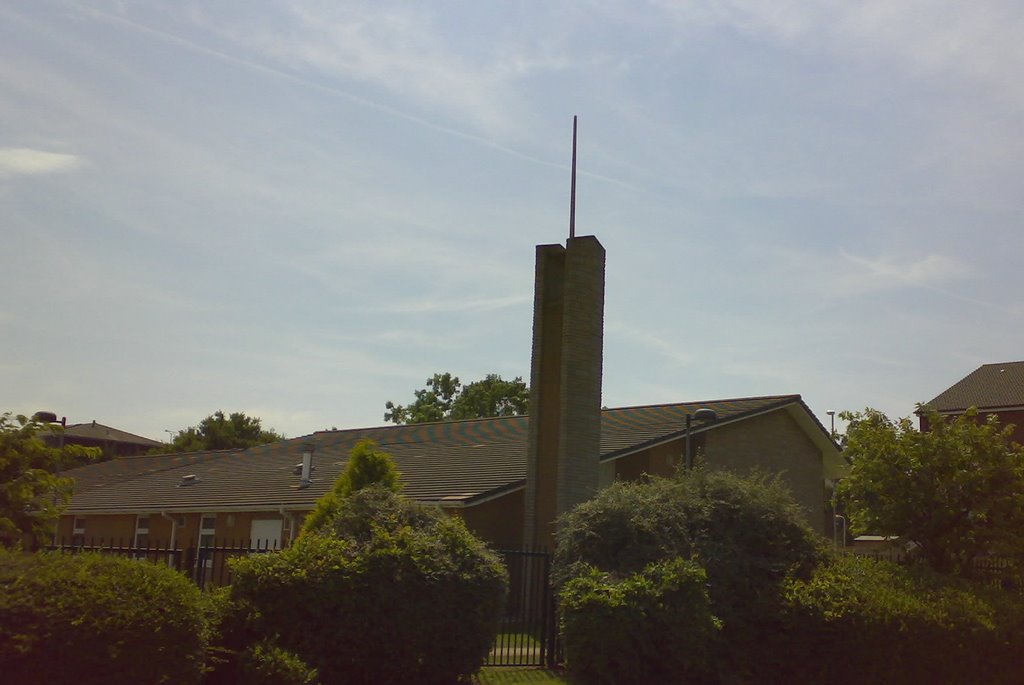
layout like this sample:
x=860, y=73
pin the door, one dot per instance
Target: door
x=265, y=534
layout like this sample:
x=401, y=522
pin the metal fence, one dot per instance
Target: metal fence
x=1001, y=572
x=206, y=565
x=527, y=634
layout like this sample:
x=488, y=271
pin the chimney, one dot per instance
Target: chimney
x=563, y=457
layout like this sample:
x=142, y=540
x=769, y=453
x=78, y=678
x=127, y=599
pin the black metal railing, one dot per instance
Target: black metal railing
x=527, y=634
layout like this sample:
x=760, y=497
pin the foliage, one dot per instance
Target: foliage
x=32, y=494
x=874, y=621
x=956, y=491
x=383, y=592
x=265, y=664
x=746, y=533
x=366, y=466
x=655, y=626
x=90, y=618
x=220, y=432
x=446, y=399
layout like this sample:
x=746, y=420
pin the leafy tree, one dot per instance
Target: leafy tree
x=219, y=432
x=446, y=399
x=32, y=493
x=956, y=491
x=366, y=466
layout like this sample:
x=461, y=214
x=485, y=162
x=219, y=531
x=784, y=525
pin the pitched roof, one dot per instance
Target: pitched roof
x=99, y=432
x=455, y=462
x=989, y=386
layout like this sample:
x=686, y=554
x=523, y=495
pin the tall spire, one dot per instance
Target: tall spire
x=572, y=190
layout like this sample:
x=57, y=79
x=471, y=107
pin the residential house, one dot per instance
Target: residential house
x=991, y=388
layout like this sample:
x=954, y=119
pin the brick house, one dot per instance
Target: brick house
x=991, y=388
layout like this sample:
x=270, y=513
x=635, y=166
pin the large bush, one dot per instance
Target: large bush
x=654, y=626
x=384, y=592
x=860, y=620
x=747, y=534
x=88, y=618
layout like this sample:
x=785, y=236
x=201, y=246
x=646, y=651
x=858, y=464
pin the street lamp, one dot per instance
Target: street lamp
x=702, y=414
x=832, y=415
x=50, y=418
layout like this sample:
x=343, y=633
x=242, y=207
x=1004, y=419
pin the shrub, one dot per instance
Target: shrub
x=746, y=532
x=89, y=618
x=265, y=664
x=386, y=592
x=861, y=620
x=654, y=626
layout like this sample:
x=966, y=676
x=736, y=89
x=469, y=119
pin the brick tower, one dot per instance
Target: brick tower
x=565, y=384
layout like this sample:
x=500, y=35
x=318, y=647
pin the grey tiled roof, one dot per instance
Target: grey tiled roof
x=457, y=461
x=988, y=386
x=97, y=431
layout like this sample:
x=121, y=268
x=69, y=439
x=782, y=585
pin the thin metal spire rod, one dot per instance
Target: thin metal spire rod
x=572, y=191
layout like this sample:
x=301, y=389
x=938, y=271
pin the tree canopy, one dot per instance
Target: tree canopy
x=956, y=490
x=445, y=399
x=220, y=432
x=32, y=493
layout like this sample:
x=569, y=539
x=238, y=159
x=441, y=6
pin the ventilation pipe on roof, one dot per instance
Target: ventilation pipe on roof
x=307, y=464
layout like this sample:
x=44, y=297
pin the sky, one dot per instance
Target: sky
x=301, y=210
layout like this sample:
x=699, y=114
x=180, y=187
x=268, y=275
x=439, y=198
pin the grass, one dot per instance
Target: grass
x=518, y=675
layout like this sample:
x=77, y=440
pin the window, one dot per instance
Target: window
x=78, y=532
x=142, y=531
x=207, y=530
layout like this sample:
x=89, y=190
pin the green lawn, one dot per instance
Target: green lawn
x=516, y=675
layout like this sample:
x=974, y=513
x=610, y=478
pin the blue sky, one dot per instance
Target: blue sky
x=303, y=209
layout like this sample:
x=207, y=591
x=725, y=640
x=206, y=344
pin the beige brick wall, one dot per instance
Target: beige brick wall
x=774, y=443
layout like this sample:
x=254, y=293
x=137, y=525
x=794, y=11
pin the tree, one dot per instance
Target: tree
x=956, y=491
x=219, y=432
x=366, y=466
x=32, y=493
x=446, y=399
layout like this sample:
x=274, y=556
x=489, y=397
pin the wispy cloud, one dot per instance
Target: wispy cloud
x=23, y=161
x=979, y=40
x=888, y=270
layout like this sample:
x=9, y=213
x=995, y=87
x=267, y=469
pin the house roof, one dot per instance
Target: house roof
x=453, y=463
x=101, y=433
x=990, y=386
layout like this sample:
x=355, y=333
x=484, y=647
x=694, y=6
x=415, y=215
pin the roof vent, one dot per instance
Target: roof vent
x=188, y=480
x=297, y=470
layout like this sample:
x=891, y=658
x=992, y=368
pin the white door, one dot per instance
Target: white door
x=265, y=534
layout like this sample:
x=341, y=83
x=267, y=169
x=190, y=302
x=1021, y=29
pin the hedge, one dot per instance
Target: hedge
x=388, y=592
x=654, y=626
x=862, y=620
x=89, y=618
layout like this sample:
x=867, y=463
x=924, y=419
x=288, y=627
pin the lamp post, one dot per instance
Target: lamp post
x=50, y=418
x=832, y=415
x=702, y=414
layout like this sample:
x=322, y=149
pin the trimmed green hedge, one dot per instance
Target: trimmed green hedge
x=746, y=533
x=387, y=592
x=862, y=620
x=89, y=618
x=654, y=626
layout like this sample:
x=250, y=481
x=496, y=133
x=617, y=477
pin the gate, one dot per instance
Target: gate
x=527, y=635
